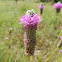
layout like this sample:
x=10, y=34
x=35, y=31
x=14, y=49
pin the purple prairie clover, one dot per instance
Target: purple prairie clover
x=7, y=38
x=60, y=37
x=10, y=28
x=30, y=21
x=41, y=8
x=58, y=6
x=61, y=27
x=30, y=41
x=60, y=51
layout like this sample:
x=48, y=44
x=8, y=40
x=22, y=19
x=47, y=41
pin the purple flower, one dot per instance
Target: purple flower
x=60, y=51
x=61, y=27
x=30, y=22
x=7, y=38
x=58, y=5
x=41, y=7
x=61, y=37
x=10, y=28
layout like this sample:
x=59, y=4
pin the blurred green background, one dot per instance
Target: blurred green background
x=35, y=0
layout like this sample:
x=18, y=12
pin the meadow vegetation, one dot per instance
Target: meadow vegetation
x=48, y=32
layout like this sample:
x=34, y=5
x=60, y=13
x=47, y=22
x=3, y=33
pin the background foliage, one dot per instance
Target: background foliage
x=13, y=50
x=57, y=0
x=35, y=0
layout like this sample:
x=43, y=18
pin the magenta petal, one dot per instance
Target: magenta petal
x=61, y=37
x=41, y=7
x=61, y=51
x=58, y=5
x=7, y=38
x=61, y=27
x=30, y=22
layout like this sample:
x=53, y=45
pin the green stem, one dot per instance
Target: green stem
x=51, y=54
x=28, y=58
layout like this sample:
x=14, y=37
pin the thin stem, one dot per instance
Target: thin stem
x=51, y=54
x=28, y=58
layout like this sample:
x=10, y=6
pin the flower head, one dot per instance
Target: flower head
x=58, y=5
x=60, y=51
x=41, y=6
x=61, y=27
x=30, y=22
x=7, y=38
x=61, y=37
x=10, y=28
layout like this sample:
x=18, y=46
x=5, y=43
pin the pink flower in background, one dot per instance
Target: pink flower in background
x=30, y=22
x=61, y=27
x=7, y=38
x=41, y=7
x=61, y=37
x=58, y=5
x=60, y=51
x=10, y=28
